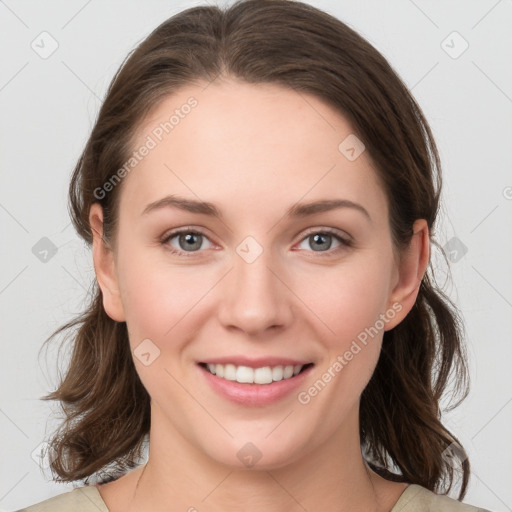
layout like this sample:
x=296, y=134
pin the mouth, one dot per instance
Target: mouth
x=255, y=383
x=262, y=375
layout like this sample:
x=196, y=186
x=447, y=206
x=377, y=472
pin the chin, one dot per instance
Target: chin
x=255, y=452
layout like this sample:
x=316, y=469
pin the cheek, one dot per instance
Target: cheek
x=350, y=302
x=156, y=302
x=161, y=306
x=351, y=306
x=348, y=299
x=152, y=302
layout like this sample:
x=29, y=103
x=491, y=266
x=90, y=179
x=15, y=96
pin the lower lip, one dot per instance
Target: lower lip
x=256, y=395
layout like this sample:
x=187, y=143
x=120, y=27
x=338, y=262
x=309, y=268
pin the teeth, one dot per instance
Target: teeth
x=247, y=375
x=263, y=375
x=287, y=372
x=230, y=372
x=244, y=374
x=277, y=373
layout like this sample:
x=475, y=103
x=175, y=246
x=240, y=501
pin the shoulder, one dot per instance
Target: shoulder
x=81, y=499
x=416, y=498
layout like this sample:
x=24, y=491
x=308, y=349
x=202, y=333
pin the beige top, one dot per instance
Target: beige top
x=415, y=498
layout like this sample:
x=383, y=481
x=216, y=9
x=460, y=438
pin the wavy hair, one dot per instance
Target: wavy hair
x=290, y=43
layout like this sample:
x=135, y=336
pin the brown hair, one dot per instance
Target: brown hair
x=289, y=43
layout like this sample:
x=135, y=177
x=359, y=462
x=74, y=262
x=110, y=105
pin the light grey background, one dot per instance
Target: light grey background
x=48, y=106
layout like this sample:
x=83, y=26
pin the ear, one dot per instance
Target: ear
x=411, y=269
x=104, y=266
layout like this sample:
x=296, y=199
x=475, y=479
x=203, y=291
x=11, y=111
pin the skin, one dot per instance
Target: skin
x=253, y=151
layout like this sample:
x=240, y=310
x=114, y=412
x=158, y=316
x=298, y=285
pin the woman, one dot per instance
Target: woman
x=260, y=191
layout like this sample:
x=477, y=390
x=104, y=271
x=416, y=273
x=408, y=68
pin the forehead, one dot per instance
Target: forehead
x=257, y=143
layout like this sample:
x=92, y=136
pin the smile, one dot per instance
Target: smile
x=248, y=375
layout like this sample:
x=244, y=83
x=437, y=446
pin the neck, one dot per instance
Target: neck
x=329, y=477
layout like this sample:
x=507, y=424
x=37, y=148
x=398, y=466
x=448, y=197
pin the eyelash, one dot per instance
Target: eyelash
x=345, y=242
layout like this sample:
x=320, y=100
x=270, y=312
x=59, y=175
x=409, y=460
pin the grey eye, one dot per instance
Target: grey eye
x=320, y=241
x=188, y=241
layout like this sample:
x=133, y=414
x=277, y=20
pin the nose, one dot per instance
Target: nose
x=255, y=298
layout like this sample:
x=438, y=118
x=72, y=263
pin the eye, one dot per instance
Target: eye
x=322, y=240
x=185, y=241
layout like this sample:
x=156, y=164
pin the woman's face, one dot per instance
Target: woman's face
x=295, y=268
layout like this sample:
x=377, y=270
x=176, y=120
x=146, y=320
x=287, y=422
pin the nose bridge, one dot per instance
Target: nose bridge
x=255, y=298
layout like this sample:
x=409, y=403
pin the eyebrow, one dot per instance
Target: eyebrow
x=297, y=210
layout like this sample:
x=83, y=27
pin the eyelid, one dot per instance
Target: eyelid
x=344, y=236
x=171, y=233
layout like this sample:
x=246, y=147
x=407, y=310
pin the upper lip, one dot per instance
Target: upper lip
x=259, y=362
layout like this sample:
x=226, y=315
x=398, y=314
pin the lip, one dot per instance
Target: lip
x=254, y=395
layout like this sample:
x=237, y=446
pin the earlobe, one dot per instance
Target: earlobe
x=104, y=267
x=412, y=267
